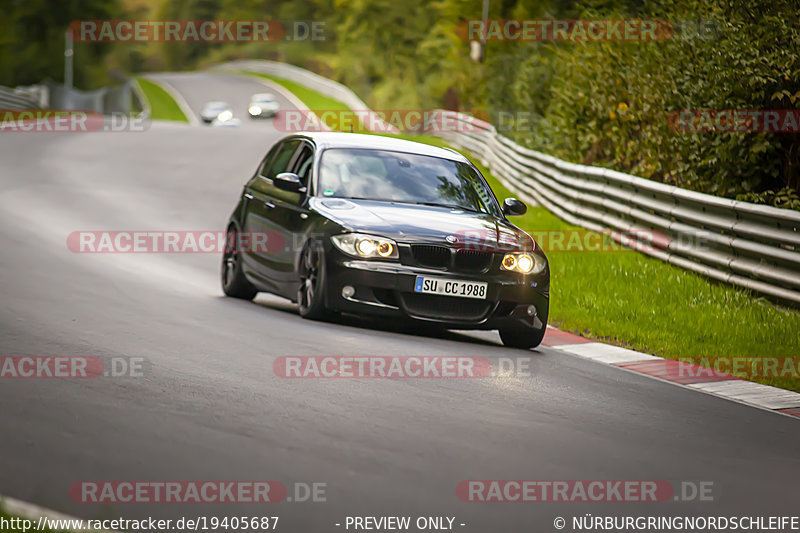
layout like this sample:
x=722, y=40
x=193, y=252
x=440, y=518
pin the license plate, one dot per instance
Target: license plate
x=451, y=287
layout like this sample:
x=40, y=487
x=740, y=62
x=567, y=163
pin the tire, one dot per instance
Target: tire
x=521, y=336
x=234, y=284
x=313, y=283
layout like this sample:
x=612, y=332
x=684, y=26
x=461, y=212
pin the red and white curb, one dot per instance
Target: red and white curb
x=678, y=372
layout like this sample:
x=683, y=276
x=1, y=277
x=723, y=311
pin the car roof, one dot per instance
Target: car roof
x=263, y=96
x=336, y=139
x=217, y=103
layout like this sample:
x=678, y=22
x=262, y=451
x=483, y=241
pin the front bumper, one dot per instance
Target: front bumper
x=265, y=113
x=386, y=289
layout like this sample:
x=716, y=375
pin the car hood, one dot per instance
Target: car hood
x=408, y=223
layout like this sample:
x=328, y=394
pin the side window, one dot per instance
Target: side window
x=304, y=163
x=280, y=162
x=267, y=158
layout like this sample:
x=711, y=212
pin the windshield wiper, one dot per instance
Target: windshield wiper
x=431, y=204
x=450, y=206
x=355, y=198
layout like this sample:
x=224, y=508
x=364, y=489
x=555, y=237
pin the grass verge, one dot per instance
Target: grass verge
x=626, y=298
x=162, y=105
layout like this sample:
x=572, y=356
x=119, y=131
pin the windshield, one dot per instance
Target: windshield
x=405, y=178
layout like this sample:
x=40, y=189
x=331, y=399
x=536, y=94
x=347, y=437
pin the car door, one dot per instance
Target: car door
x=291, y=215
x=292, y=212
x=261, y=221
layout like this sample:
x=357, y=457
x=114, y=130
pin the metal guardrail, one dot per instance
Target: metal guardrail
x=753, y=246
x=106, y=100
x=17, y=100
x=51, y=95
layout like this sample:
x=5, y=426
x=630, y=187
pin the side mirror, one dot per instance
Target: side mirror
x=512, y=206
x=288, y=181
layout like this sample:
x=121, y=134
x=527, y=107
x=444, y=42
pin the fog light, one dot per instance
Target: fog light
x=531, y=310
x=348, y=291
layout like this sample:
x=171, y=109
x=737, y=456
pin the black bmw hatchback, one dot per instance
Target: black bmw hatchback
x=371, y=225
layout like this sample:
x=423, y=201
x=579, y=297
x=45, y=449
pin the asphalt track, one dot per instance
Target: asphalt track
x=209, y=406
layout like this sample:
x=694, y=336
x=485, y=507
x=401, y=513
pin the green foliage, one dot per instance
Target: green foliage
x=785, y=198
x=32, y=37
x=178, y=55
x=609, y=103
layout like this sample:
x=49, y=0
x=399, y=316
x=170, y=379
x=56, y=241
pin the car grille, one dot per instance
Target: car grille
x=472, y=261
x=431, y=256
x=445, y=307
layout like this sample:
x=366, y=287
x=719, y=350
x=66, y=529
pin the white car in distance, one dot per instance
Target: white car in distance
x=216, y=111
x=263, y=105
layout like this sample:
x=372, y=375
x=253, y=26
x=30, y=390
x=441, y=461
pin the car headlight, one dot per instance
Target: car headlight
x=366, y=246
x=225, y=115
x=254, y=110
x=523, y=262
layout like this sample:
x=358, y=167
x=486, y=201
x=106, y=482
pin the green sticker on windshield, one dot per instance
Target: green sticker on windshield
x=328, y=192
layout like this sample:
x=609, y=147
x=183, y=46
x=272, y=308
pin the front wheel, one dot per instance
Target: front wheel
x=311, y=292
x=520, y=335
x=234, y=284
x=523, y=337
